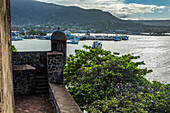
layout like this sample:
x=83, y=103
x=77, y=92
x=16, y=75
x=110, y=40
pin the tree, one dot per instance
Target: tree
x=97, y=78
x=32, y=32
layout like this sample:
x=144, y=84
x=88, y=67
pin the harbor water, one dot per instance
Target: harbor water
x=153, y=50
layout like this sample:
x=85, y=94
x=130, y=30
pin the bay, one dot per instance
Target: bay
x=153, y=50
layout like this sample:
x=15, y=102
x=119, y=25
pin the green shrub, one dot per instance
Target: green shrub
x=14, y=49
x=154, y=101
x=104, y=82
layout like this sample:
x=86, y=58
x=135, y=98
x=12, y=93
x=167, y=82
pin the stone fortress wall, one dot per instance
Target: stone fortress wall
x=42, y=72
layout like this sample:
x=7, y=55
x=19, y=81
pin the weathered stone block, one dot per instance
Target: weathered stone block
x=55, y=67
x=24, y=79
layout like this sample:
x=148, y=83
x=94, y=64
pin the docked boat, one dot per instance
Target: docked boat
x=117, y=38
x=41, y=38
x=29, y=37
x=75, y=39
x=20, y=38
x=16, y=38
x=44, y=38
x=72, y=42
x=47, y=37
x=99, y=37
x=124, y=37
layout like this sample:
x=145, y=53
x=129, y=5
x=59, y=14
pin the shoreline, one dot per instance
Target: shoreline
x=105, y=34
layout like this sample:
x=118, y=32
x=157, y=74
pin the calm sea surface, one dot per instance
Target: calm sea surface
x=154, y=50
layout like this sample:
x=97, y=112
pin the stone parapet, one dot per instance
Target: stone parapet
x=36, y=59
x=62, y=100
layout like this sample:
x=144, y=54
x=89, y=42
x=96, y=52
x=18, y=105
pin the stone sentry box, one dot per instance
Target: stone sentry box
x=58, y=43
x=56, y=59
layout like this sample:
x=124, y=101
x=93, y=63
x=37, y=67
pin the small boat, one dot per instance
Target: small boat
x=72, y=42
x=47, y=37
x=44, y=38
x=117, y=38
x=96, y=44
x=99, y=37
x=75, y=39
x=14, y=39
x=29, y=37
x=20, y=38
x=124, y=37
x=41, y=38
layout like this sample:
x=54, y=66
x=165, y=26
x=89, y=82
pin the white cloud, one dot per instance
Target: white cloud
x=160, y=11
x=143, y=18
x=139, y=8
x=116, y=7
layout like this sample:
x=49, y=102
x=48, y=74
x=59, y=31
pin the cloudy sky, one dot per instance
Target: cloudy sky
x=124, y=9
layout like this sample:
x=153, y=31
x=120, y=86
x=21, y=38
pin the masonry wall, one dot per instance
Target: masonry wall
x=55, y=67
x=25, y=80
x=35, y=59
x=47, y=66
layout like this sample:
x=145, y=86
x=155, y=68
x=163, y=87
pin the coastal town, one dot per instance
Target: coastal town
x=90, y=28
x=77, y=32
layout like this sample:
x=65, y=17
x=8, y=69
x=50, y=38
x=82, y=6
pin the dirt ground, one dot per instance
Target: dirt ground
x=33, y=104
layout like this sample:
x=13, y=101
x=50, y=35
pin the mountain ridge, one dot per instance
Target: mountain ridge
x=154, y=22
x=31, y=11
x=36, y=12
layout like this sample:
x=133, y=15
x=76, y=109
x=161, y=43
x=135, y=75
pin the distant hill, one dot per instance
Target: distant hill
x=30, y=11
x=154, y=22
